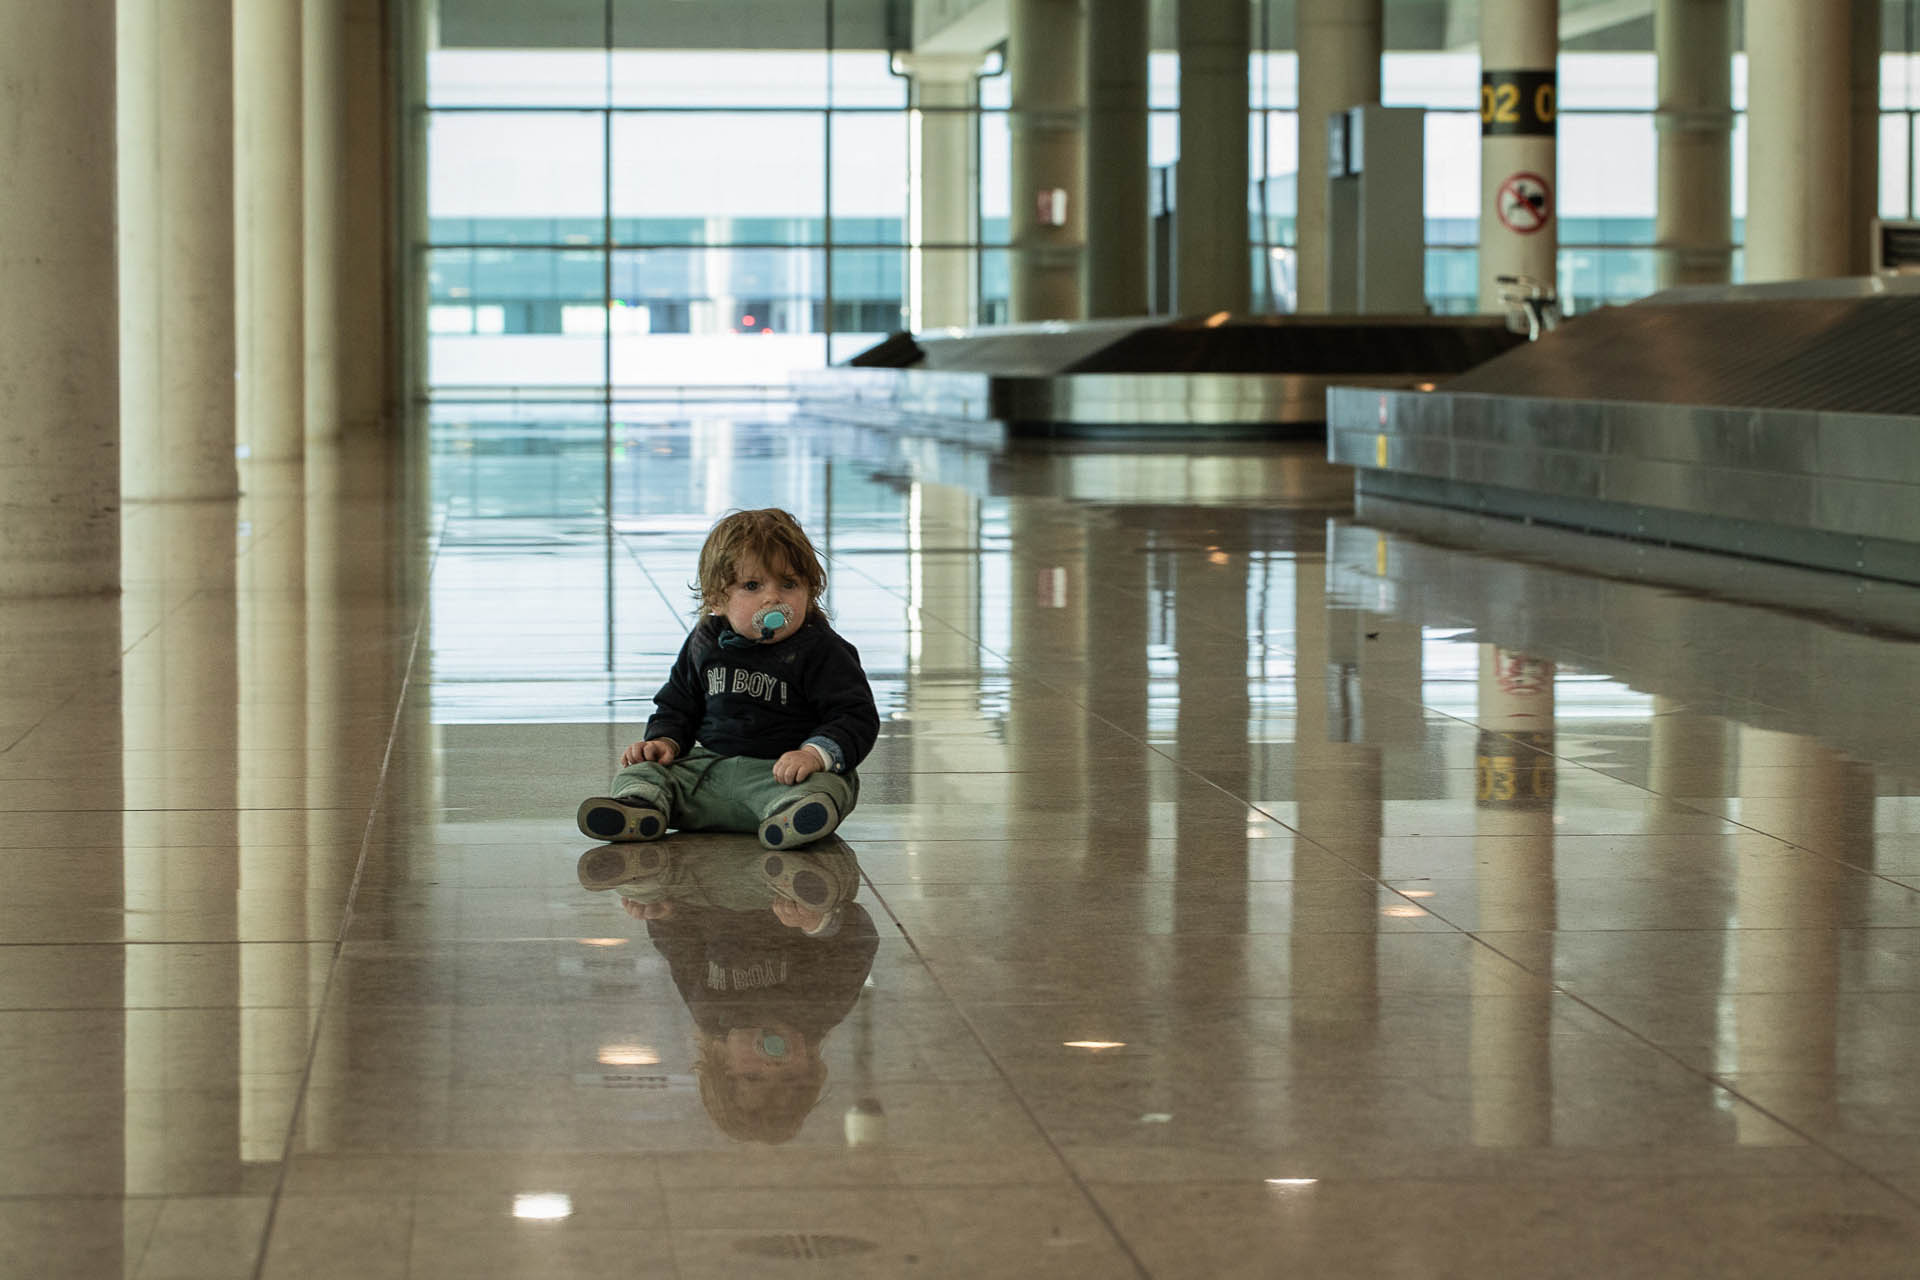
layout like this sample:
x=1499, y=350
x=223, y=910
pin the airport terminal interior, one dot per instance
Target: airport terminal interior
x=1290, y=849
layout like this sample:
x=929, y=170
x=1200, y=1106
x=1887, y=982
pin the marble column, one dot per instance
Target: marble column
x=323, y=153
x=59, y=327
x=1339, y=43
x=1213, y=266
x=1799, y=139
x=1519, y=110
x=367, y=376
x=1047, y=74
x=175, y=127
x=1693, y=221
x=269, y=213
x=1117, y=248
x=943, y=191
x=1863, y=151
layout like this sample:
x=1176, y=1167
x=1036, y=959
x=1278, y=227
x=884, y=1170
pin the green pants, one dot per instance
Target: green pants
x=703, y=791
x=725, y=875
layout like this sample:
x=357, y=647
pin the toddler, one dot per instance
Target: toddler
x=766, y=712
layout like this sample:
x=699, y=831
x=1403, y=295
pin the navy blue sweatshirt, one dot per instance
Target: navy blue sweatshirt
x=742, y=698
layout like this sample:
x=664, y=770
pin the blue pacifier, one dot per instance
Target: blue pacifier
x=769, y=620
x=774, y=1046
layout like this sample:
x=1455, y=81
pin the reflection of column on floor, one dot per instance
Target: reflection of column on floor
x=943, y=189
x=1511, y=1061
x=273, y=853
x=346, y=563
x=943, y=587
x=1787, y=907
x=67, y=644
x=1046, y=733
x=1210, y=641
x=177, y=712
x=1121, y=789
x=1338, y=789
x=1688, y=754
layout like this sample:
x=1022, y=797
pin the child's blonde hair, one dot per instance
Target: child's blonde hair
x=771, y=536
x=772, y=1115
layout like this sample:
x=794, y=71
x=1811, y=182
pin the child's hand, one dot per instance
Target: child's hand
x=659, y=750
x=795, y=765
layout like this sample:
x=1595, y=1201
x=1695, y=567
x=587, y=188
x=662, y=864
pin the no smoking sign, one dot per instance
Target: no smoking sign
x=1524, y=203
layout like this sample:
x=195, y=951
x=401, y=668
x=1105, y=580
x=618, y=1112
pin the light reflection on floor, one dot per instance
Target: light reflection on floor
x=1247, y=891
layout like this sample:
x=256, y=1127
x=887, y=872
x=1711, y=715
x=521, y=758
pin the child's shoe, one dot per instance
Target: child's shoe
x=802, y=821
x=819, y=880
x=607, y=818
x=618, y=864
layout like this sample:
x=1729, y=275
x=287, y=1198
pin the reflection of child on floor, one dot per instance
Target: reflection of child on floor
x=763, y=999
x=766, y=712
x=804, y=888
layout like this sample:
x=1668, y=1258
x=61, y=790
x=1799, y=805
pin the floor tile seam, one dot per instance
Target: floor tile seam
x=1713, y=1078
x=1006, y=1080
x=290, y=1142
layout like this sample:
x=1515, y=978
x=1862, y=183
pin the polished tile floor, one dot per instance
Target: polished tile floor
x=1248, y=890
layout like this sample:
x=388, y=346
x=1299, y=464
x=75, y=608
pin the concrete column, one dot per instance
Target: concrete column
x=418, y=35
x=1046, y=69
x=269, y=227
x=175, y=126
x=1117, y=249
x=322, y=85
x=369, y=395
x=1864, y=152
x=59, y=322
x=1340, y=43
x=1519, y=107
x=1799, y=139
x=943, y=191
x=1212, y=269
x=1693, y=224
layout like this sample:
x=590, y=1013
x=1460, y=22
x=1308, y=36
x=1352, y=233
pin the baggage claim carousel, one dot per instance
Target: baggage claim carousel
x=1777, y=422
x=1218, y=378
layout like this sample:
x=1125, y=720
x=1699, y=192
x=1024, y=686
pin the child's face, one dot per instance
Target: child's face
x=756, y=587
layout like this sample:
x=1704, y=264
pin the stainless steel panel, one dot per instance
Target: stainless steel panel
x=1869, y=447
x=1868, y=508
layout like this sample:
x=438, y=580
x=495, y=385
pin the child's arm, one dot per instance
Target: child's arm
x=849, y=720
x=678, y=708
